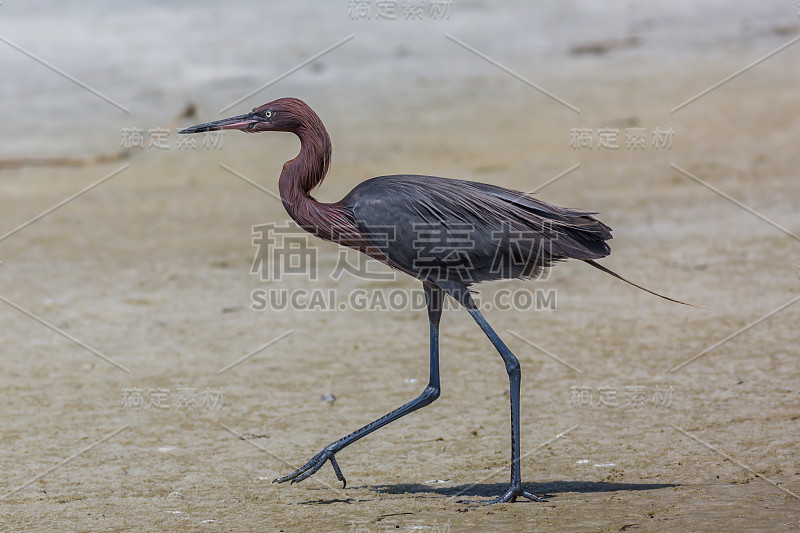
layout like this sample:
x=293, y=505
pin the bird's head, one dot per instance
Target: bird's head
x=283, y=114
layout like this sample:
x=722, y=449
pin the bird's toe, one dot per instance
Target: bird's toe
x=510, y=496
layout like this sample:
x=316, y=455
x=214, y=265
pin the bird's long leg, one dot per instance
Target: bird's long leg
x=434, y=298
x=514, y=377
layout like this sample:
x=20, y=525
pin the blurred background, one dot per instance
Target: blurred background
x=139, y=252
x=152, y=58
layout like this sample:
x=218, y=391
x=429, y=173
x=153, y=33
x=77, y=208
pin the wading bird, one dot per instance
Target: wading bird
x=447, y=233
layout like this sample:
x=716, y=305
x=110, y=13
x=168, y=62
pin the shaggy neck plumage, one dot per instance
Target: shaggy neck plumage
x=305, y=172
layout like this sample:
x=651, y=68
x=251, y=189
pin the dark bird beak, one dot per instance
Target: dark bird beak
x=242, y=122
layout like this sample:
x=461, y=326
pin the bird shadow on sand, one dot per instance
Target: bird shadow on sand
x=544, y=490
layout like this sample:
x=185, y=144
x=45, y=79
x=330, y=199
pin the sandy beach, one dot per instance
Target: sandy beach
x=143, y=389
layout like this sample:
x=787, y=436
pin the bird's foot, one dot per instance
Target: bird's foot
x=510, y=496
x=314, y=464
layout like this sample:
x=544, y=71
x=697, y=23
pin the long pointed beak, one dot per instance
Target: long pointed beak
x=241, y=122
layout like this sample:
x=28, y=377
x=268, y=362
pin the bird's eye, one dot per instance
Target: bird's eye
x=267, y=114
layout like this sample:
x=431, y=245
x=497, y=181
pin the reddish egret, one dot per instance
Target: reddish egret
x=447, y=233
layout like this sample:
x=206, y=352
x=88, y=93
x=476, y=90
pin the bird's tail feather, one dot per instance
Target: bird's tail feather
x=611, y=272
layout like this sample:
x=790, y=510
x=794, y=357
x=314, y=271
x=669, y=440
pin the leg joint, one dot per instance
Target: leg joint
x=512, y=365
x=430, y=393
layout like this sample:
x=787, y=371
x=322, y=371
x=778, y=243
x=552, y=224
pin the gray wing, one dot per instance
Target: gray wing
x=441, y=229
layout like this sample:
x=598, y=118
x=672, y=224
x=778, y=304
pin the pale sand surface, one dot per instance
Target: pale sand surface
x=152, y=269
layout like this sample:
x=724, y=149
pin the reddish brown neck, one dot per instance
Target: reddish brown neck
x=302, y=174
x=306, y=171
